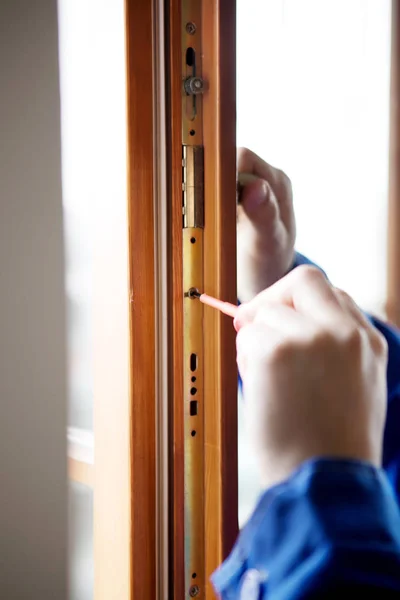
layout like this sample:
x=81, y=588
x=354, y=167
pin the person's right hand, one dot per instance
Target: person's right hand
x=314, y=375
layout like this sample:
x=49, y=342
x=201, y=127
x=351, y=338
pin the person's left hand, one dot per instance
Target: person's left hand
x=266, y=228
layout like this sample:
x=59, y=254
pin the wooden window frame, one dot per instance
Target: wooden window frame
x=136, y=464
x=138, y=471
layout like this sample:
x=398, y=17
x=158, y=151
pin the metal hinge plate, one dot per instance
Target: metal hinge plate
x=193, y=186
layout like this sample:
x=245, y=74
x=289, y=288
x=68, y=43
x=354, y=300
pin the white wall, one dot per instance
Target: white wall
x=32, y=338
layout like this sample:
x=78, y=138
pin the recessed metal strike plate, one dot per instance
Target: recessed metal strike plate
x=193, y=186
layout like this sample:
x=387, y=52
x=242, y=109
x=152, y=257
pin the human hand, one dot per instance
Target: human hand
x=314, y=375
x=266, y=228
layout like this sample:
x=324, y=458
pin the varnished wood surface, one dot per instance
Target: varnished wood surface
x=220, y=375
x=139, y=31
x=219, y=131
x=176, y=299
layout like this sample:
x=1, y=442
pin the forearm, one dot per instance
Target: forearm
x=332, y=525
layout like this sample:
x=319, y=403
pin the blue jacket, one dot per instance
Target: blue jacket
x=333, y=526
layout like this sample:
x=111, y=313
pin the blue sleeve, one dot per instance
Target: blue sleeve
x=391, y=438
x=391, y=441
x=333, y=526
x=300, y=259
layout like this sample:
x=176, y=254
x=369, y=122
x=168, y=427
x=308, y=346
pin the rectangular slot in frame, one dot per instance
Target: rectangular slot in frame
x=193, y=362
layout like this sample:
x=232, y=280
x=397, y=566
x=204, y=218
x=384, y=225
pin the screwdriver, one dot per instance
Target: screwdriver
x=225, y=307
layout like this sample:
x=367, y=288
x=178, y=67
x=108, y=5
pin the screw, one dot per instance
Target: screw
x=193, y=293
x=194, y=85
x=194, y=591
x=190, y=28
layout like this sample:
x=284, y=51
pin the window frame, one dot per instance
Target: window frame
x=137, y=470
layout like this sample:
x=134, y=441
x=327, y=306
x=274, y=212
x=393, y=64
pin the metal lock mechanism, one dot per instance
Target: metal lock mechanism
x=194, y=86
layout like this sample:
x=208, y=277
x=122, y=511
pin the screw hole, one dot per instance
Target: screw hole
x=194, y=575
x=193, y=433
x=190, y=57
x=190, y=28
x=193, y=378
x=193, y=240
x=193, y=364
x=193, y=391
x=192, y=132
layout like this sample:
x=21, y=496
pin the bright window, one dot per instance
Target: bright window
x=313, y=100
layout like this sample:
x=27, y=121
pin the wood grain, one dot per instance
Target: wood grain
x=175, y=258
x=393, y=287
x=219, y=132
x=139, y=35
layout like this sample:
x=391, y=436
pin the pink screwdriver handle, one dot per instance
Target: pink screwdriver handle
x=226, y=307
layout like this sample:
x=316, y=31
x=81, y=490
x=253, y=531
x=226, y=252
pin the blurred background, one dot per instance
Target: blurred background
x=313, y=99
x=94, y=176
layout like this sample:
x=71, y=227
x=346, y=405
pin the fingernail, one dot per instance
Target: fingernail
x=257, y=196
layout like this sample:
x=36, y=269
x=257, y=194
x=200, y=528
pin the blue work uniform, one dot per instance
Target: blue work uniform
x=333, y=526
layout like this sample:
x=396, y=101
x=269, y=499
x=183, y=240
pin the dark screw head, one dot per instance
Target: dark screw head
x=194, y=85
x=193, y=293
x=193, y=591
x=190, y=28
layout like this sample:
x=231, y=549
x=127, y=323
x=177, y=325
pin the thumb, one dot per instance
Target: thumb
x=259, y=203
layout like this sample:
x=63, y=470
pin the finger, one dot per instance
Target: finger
x=249, y=162
x=304, y=289
x=375, y=336
x=351, y=307
x=254, y=342
x=243, y=180
x=285, y=320
x=259, y=203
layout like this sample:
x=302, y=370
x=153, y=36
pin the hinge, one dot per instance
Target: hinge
x=193, y=186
